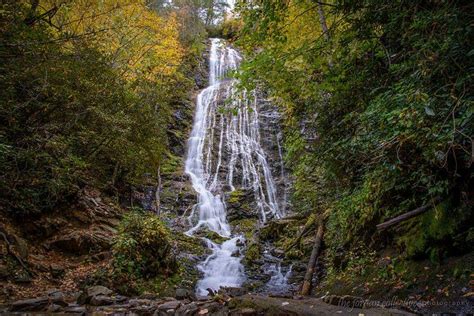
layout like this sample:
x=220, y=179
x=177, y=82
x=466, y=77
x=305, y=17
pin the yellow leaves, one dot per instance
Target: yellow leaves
x=141, y=44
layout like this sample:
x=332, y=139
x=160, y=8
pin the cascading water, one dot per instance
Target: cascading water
x=224, y=151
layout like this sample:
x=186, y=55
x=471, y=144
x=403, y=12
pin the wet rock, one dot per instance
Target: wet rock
x=182, y=294
x=57, y=297
x=171, y=305
x=98, y=290
x=54, y=308
x=75, y=310
x=278, y=252
x=245, y=312
x=211, y=307
x=188, y=309
x=240, y=243
x=30, y=305
x=241, y=204
x=139, y=301
x=232, y=291
x=168, y=308
x=143, y=310
x=101, y=300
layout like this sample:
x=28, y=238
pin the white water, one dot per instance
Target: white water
x=278, y=282
x=226, y=137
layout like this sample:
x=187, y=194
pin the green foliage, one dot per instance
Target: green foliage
x=73, y=113
x=378, y=113
x=143, y=247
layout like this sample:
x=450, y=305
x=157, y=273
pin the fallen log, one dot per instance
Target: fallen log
x=408, y=215
x=306, y=229
x=306, y=288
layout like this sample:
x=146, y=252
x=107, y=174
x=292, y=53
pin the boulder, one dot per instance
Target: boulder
x=54, y=308
x=101, y=300
x=247, y=312
x=232, y=291
x=30, y=305
x=83, y=241
x=98, y=290
x=182, y=294
x=171, y=305
x=57, y=297
x=188, y=309
x=75, y=309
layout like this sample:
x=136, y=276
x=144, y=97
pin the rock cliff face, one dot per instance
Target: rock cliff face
x=235, y=164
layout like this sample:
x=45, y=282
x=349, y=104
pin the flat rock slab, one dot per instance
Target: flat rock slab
x=303, y=307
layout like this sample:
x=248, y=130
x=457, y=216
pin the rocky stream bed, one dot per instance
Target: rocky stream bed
x=99, y=300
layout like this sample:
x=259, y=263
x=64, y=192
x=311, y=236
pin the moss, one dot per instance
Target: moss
x=189, y=244
x=246, y=226
x=172, y=164
x=235, y=196
x=214, y=237
x=384, y=276
x=252, y=253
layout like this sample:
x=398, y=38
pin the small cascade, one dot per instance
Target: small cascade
x=225, y=154
x=278, y=283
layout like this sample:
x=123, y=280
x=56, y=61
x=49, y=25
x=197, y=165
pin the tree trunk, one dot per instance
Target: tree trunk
x=158, y=190
x=306, y=288
x=322, y=20
x=324, y=27
x=407, y=215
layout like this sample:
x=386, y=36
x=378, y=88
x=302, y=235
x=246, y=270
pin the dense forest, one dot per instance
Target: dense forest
x=210, y=157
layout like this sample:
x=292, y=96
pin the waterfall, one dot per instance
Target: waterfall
x=224, y=152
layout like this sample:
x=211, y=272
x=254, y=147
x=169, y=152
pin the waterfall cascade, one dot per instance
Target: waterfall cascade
x=225, y=152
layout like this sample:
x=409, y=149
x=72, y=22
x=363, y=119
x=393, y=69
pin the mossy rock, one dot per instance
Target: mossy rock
x=246, y=226
x=273, y=230
x=253, y=253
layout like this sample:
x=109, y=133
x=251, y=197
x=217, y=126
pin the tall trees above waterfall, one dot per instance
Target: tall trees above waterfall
x=379, y=115
x=87, y=89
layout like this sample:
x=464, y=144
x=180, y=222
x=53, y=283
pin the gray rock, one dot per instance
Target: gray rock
x=57, y=271
x=139, y=301
x=98, y=290
x=247, y=312
x=232, y=291
x=86, y=297
x=169, y=305
x=74, y=309
x=57, y=297
x=30, y=305
x=188, y=309
x=182, y=294
x=54, y=308
x=101, y=300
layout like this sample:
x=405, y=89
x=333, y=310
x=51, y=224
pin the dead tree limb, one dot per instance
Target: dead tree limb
x=408, y=215
x=306, y=229
x=306, y=288
x=11, y=252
